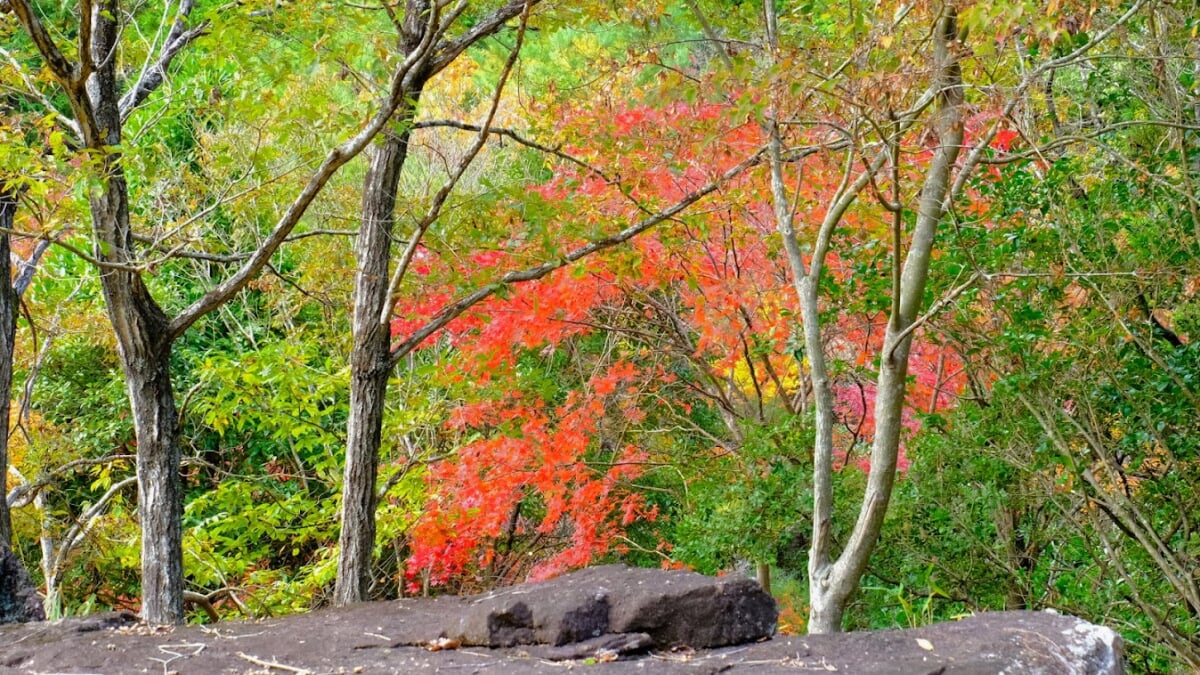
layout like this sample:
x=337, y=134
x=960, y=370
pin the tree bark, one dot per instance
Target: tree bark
x=8, y=331
x=160, y=490
x=832, y=584
x=369, y=364
x=370, y=353
x=372, y=357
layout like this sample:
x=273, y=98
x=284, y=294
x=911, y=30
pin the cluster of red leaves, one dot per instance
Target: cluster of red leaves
x=526, y=448
x=540, y=449
x=731, y=290
x=936, y=379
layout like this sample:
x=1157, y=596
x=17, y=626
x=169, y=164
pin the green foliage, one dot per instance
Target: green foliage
x=1080, y=339
x=263, y=507
x=82, y=393
x=747, y=504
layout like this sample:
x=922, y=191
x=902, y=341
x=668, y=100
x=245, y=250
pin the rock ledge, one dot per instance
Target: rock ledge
x=609, y=620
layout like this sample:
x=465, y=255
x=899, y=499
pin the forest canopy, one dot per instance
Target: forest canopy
x=892, y=304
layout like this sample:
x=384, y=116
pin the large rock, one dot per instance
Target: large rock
x=19, y=601
x=674, y=608
x=1031, y=643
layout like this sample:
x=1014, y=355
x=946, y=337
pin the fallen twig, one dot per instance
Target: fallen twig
x=193, y=598
x=273, y=664
x=196, y=648
x=216, y=632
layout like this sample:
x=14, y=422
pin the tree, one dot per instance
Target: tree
x=424, y=39
x=832, y=580
x=8, y=330
x=151, y=78
x=145, y=333
x=943, y=178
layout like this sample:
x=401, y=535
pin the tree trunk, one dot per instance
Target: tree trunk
x=369, y=364
x=826, y=609
x=371, y=356
x=143, y=339
x=160, y=494
x=144, y=346
x=8, y=330
x=832, y=583
x=52, y=603
x=763, y=574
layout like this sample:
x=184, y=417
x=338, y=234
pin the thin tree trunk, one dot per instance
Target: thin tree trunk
x=833, y=580
x=143, y=339
x=370, y=354
x=763, y=574
x=832, y=584
x=369, y=364
x=10, y=298
x=8, y=330
x=52, y=604
x=372, y=357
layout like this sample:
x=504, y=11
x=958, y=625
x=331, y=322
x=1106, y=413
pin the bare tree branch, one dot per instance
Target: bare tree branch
x=59, y=66
x=153, y=75
x=449, y=50
x=24, y=493
x=83, y=525
x=509, y=133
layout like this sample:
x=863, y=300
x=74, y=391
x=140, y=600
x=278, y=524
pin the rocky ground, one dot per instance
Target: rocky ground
x=602, y=620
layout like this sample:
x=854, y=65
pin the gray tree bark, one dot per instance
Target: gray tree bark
x=8, y=331
x=371, y=357
x=369, y=366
